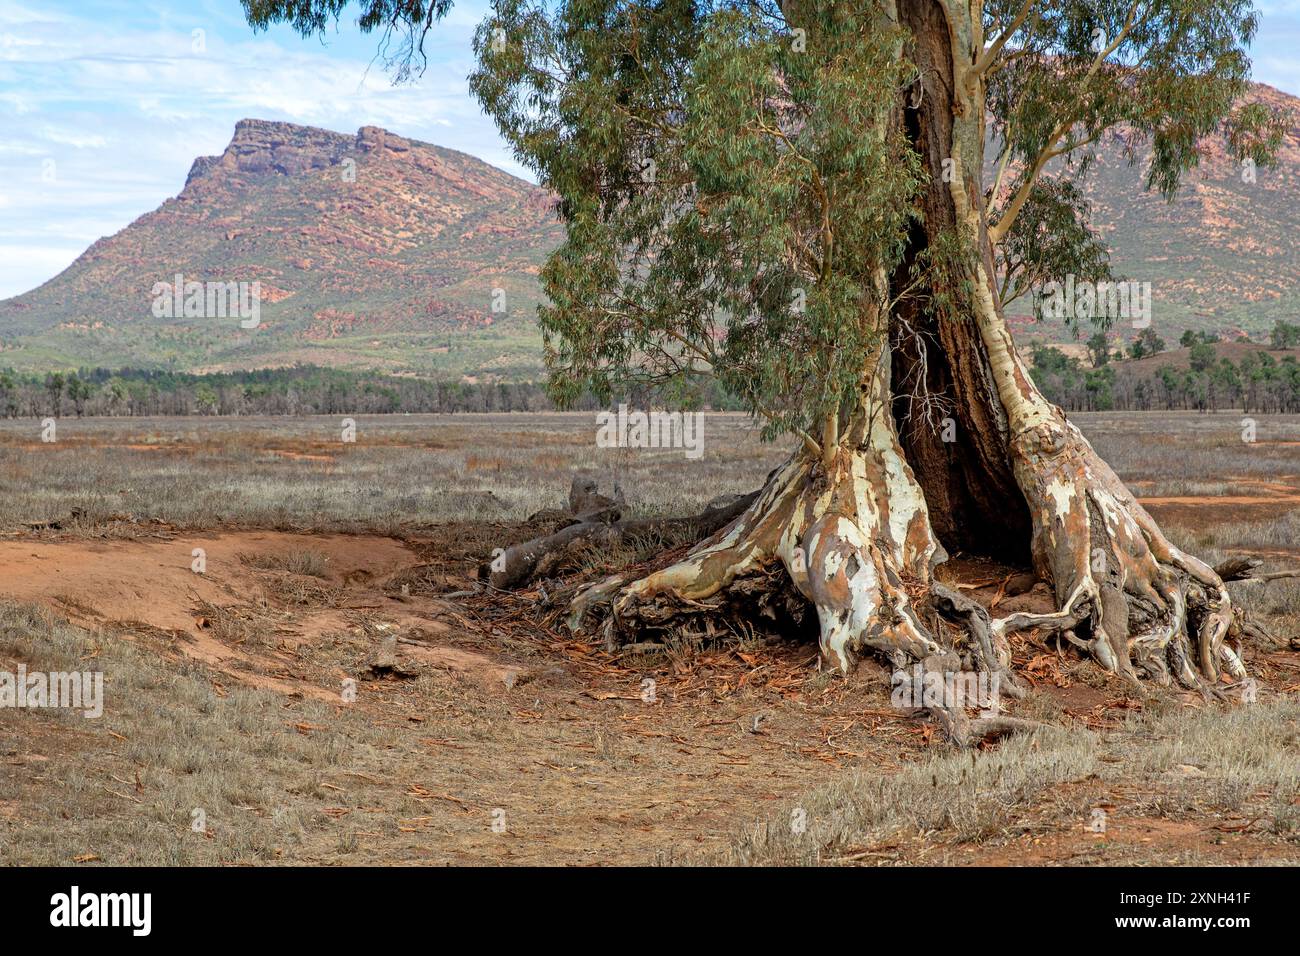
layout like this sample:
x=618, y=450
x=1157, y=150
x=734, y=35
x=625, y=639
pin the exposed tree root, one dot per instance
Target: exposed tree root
x=1247, y=570
x=851, y=532
x=1124, y=592
x=853, y=540
x=1129, y=597
x=848, y=535
x=965, y=731
x=852, y=536
x=858, y=558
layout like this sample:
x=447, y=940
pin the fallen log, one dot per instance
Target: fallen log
x=518, y=564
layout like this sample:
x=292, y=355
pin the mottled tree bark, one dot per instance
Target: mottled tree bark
x=859, y=526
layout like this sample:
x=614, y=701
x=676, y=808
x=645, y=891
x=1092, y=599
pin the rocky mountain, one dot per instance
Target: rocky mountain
x=1222, y=256
x=372, y=250
x=368, y=250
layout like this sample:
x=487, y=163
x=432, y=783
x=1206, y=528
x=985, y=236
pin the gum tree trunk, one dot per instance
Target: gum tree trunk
x=859, y=527
x=963, y=464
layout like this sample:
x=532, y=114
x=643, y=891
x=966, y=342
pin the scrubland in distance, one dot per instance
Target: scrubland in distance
x=413, y=470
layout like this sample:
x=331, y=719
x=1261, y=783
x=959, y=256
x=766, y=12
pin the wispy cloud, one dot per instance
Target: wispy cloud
x=105, y=104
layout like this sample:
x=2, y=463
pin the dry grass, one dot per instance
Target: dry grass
x=237, y=624
x=410, y=772
x=1176, y=763
x=407, y=471
x=1188, y=446
x=403, y=471
x=124, y=788
x=305, y=561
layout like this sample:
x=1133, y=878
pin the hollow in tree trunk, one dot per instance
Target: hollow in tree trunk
x=858, y=525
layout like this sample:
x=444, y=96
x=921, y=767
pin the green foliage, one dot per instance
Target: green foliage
x=1064, y=381
x=54, y=389
x=1258, y=382
x=1147, y=342
x=205, y=398
x=1051, y=239
x=1055, y=373
x=1202, y=356
x=402, y=23
x=296, y=390
x=732, y=198
x=78, y=392
x=1192, y=337
x=1285, y=335
x=1048, y=359
x=1100, y=384
x=1172, y=72
x=1098, y=349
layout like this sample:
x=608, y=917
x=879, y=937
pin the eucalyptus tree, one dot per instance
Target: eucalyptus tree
x=792, y=197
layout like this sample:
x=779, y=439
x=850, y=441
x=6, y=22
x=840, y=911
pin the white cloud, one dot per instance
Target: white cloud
x=124, y=104
x=73, y=138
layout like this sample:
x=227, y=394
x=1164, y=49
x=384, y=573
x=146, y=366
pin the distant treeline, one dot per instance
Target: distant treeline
x=299, y=390
x=1257, y=382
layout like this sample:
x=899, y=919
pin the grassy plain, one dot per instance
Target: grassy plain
x=480, y=730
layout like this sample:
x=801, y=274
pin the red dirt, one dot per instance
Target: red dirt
x=150, y=582
x=606, y=776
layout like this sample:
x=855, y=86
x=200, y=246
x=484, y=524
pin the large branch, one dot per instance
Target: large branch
x=989, y=57
x=1049, y=151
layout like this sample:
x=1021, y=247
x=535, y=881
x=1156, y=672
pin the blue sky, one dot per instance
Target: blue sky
x=104, y=104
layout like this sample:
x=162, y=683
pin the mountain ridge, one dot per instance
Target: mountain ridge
x=365, y=247
x=373, y=250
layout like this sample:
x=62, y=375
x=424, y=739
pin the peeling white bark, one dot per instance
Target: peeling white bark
x=852, y=531
x=1107, y=559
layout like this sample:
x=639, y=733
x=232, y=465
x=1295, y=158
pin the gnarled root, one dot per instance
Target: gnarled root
x=853, y=537
x=1134, y=601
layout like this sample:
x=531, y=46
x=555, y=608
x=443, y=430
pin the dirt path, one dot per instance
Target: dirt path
x=1265, y=499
